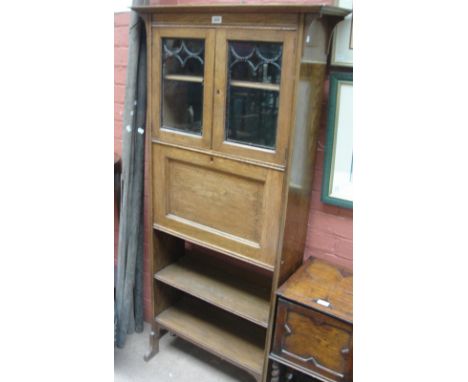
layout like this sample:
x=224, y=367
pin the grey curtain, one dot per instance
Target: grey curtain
x=129, y=279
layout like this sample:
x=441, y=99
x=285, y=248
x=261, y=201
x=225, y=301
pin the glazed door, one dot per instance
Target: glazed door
x=253, y=93
x=182, y=88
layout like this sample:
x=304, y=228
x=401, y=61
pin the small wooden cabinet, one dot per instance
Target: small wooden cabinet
x=314, y=323
x=234, y=101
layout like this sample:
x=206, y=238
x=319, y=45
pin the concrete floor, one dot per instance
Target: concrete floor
x=177, y=360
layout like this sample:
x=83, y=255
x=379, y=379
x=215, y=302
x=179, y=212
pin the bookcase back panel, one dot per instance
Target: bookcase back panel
x=227, y=204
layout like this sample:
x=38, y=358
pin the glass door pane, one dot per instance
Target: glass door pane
x=254, y=76
x=183, y=86
x=254, y=85
x=182, y=79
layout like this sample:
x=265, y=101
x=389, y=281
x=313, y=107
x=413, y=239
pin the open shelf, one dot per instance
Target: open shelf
x=177, y=77
x=230, y=338
x=235, y=255
x=223, y=290
x=255, y=85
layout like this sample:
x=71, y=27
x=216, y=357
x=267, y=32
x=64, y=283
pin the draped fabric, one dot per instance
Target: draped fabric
x=129, y=281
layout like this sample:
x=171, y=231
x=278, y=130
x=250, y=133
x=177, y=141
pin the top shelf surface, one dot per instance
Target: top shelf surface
x=317, y=280
x=244, y=8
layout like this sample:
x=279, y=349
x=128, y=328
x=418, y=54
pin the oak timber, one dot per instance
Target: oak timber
x=261, y=228
x=218, y=288
x=171, y=232
x=313, y=343
x=225, y=203
x=307, y=112
x=224, y=155
x=231, y=338
x=314, y=322
x=315, y=280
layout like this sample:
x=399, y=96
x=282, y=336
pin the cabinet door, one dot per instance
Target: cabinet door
x=223, y=204
x=183, y=85
x=253, y=93
x=319, y=344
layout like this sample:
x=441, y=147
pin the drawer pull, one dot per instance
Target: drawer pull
x=345, y=351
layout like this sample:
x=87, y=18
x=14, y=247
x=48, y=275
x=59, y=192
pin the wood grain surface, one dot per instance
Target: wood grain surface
x=233, y=339
x=246, y=204
x=225, y=203
x=219, y=288
x=318, y=280
x=318, y=345
x=314, y=324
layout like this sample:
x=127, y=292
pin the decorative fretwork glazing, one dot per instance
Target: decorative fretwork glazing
x=183, y=56
x=252, y=102
x=255, y=61
x=183, y=53
x=182, y=84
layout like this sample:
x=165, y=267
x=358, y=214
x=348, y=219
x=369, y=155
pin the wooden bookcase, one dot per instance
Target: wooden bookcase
x=234, y=100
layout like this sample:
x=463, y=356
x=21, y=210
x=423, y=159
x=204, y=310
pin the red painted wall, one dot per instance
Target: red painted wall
x=330, y=228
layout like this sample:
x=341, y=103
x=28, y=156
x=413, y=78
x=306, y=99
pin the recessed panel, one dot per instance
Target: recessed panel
x=321, y=340
x=222, y=204
x=215, y=200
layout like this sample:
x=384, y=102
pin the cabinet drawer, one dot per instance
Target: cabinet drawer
x=315, y=343
x=230, y=206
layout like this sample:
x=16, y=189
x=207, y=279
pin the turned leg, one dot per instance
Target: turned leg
x=155, y=335
x=275, y=372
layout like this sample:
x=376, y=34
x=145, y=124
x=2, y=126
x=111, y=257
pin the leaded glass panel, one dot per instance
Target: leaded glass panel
x=254, y=77
x=182, y=84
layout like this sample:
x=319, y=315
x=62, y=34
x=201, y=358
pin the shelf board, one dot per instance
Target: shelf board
x=207, y=244
x=255, y=85
x=223, y=290
x=177, y=77
x=230, y=338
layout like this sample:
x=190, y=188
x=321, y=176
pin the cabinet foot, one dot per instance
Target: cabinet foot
x=153, y=342
x=275, y=372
